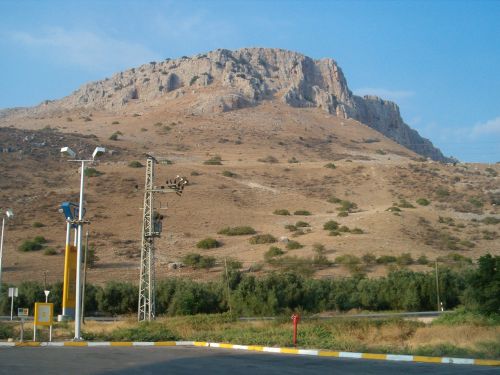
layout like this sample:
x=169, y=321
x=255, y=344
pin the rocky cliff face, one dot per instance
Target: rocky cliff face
x=243, y=78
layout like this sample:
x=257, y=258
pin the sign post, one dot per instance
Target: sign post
x=296, y=320
x=44, y=314
x=22, y=313
x=13, y=292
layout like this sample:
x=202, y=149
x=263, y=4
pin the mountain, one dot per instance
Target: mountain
x=245, y=78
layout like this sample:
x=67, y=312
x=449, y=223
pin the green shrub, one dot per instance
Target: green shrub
x=357, y=231
x=37, y=224
x=273, y=252
x=331, y=225
x=237, y=231
x=115, y=122
x=404, y=259
x=343, y=214
x=145, y=331
x=6, y=331
x=293, y=245
x=301, y=224
x=135, y=164
x=334, y=200
x=381, y=152
x=291, y=227
x=422, y=259
x=369, y=258
x=442, y=192
x=335, y=233
x=403, y=203
x=198, y=261
x=260, y=239
x=208, y=243
x=302, y=212
x=281, y=212
x=214, y=160
x=386, y=259
x=32, y=245
x=330, y=166
x=113, y=137
x=92, y=172
x=50, y=251
x=490, y=220
x=478, y=203
x=394, y=209
x=229, y=174
x=346, y=205
x=293, y=160
x=423, y=201
x=269, y=159
x=344, y=229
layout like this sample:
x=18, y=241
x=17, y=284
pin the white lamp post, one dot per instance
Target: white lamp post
x=69, y=152
x=9, y=215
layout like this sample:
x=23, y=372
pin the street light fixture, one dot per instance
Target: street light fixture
x=78, y=308
x=9, y=214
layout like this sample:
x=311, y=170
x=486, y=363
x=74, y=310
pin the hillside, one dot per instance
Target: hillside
x=274, y=154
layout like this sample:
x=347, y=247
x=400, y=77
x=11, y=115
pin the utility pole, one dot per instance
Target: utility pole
x=437, y=287
x=151, y=229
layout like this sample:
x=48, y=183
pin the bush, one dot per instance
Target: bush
x=260, y=239
x=135, y=164
x=301, y=224
x=423, y=201
x=330, y=166
x=198, y=261
x=403, y=203
x=478, y=203
x=214, y=160
x=92, y=172
x=50, y=251
x=113, y=137
x=269, y=159
x=30, y=246
x=422, y=259
x=193, y=80
x=348, y=206
x=490, y=220
x=302, y=212
x=281, y=212
x=343, y=214
x=37, y=224
x=369, y=258
x=6, y=331
x=357, y=231
x=237, y=231
x=404, y=259
x=291, y=227
x=40, y=239
x=334, y=200
x=208, y=243
x=115, y=122
x=117, y=298
x=394, y=209
x=293, y=160
x=229, y=174
x=386, y=259
x=331, y=225
x=273, y=252
x=293, y=245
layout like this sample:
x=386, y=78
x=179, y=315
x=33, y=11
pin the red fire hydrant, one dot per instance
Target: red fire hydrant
x=295, y=320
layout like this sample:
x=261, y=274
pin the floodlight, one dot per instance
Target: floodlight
x=9, y=213
x=68, y=152
x=98, y=152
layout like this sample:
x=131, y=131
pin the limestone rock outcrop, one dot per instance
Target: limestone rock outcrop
x=244, y=78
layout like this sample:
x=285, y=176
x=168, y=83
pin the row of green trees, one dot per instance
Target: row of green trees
x=276, y=293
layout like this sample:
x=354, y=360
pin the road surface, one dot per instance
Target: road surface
x=195, y=360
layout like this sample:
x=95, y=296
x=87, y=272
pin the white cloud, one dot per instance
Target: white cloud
x=83, y=48
x=393, y=95
x=490, y=127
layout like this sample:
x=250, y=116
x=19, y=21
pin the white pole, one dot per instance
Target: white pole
x=1, y=252
x=34, y=331
x=11, y=306
x=79, y=260
x=50, y=333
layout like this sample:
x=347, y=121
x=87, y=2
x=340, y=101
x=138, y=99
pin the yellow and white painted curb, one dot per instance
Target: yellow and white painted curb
x=257, y=348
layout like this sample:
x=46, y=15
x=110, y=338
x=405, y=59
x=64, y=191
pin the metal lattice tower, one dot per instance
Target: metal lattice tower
x=146, y=309
x=151, y=229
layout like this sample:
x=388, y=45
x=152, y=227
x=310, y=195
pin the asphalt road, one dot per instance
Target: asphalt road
x=192, y=360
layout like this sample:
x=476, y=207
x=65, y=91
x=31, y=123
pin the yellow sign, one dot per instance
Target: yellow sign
x=69, y=288
x=44, y=313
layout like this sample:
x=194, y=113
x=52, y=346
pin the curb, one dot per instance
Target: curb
x=257, y=348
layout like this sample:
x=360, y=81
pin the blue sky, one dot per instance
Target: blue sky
x=439, y=60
